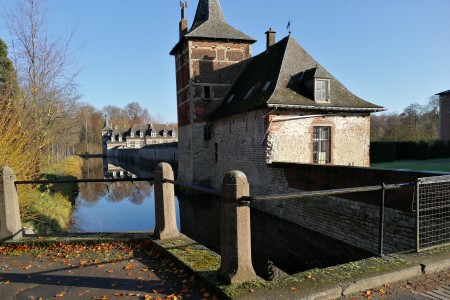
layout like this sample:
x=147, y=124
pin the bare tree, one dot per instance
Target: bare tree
x=137, y=114
x=46, y=67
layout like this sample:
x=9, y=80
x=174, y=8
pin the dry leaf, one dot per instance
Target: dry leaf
x=382, y=291
x=60, y=295
x=293, y=289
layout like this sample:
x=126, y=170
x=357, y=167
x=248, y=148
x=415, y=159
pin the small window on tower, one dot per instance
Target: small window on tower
x=207, y=92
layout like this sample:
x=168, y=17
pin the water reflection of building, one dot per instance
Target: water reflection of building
x=115, y=172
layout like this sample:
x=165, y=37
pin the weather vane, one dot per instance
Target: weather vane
x=288, y=27
x=183, y=8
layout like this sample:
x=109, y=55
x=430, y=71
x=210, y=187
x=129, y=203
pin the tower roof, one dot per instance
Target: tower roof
x=444, y=93
x=210, y=23
x=106, y=125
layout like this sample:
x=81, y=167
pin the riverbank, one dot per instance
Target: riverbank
x=48, y=208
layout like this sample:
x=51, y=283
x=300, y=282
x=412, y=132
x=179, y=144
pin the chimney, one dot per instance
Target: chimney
x=183, y=22
x=270, y=37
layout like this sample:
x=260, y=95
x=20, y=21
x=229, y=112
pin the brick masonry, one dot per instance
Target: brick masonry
x=444, y=129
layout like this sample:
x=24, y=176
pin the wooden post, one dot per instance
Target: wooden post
x=10, y=224
x=235, y=237
x=165, y=214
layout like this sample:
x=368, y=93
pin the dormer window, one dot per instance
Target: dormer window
x=165, y=134
x=322, y=90
x=132, y=134
x=174, y=134
x=120, y=138
x=113, y=139
x=141, y=134
x=153, y=134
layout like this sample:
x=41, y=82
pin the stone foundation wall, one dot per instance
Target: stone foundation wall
x=352, y=222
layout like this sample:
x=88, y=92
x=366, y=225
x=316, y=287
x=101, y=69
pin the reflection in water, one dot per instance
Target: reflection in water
x=113, y=207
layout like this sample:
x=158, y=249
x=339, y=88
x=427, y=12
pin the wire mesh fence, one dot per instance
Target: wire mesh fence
x=433, y=212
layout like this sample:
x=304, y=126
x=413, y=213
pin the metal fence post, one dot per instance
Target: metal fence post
x=235, y=238
x=165, y=214
x=10, y=224
x=381, y=231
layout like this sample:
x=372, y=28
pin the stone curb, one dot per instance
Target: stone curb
x=332, y=293
x=436, y=266
x=379, y=280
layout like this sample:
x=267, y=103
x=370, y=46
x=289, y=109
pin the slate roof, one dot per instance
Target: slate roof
x=444, y=93
x=279, y=77
x=106, y=125
x=210, y=23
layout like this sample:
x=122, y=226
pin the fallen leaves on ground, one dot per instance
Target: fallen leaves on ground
x=368, y=294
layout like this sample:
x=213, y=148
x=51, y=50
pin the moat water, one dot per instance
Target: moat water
x=278, y=246
x=113, y=207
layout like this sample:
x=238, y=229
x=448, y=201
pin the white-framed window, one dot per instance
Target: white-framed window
x=132, y=134
x=322, y=90
x=113, y=139
x=120, y=138
x=165, y=134
x=174, y=134
x=153, y=134
x=132, y=144
x=141, y=134
x=321, y=145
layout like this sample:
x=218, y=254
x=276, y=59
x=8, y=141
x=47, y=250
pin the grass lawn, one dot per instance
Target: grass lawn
x=440, y=165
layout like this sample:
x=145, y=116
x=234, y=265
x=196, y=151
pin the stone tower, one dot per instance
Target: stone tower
x=208, y=59
x=106, y=135
x=444, y=116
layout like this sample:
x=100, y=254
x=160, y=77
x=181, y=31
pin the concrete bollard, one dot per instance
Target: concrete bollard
x=165, y=214
x=235, y=237
x=10, y=224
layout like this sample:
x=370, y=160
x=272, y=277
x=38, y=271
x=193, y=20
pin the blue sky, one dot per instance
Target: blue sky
x=389, y=52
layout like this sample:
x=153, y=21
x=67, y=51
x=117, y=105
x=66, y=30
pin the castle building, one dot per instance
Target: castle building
x=137, y=136
x=444, y=116
x=241, y=112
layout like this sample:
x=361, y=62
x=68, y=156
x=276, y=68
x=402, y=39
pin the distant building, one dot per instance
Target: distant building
x=137, y=136
x=444, y=115
x=241, y=112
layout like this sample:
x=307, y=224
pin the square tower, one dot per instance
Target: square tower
x=208, y=59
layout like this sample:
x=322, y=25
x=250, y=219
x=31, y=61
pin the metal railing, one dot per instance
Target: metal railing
x=433, y=212
x=61, y=181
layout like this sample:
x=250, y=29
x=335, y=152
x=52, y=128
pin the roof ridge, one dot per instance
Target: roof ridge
x=289, y=39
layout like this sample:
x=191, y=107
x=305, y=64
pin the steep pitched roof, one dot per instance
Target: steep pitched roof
x=279, y=77
x=106, y=125
x=210, y=23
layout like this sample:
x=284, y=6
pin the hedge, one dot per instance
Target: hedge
x=390, y=151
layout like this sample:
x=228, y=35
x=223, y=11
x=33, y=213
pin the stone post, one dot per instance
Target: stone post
x=235, y=238
x=10, y=224
x=165, y=214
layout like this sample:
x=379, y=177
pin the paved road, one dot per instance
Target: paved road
x=423, y=287
x=107, y=272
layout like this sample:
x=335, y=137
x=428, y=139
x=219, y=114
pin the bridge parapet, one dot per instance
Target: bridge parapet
x=10, y=223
